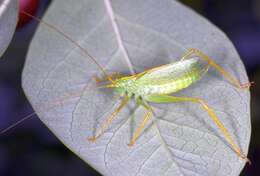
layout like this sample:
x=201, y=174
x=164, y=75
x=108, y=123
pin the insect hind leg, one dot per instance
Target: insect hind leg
x=209, y=110
x=195, y=52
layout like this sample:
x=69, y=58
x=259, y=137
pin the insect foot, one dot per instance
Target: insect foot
x=131, y=144
x=92, y=139
x=245, y=158
x=96, y=79
x=246, y=85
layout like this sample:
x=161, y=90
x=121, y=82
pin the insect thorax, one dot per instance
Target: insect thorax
x=125, y=86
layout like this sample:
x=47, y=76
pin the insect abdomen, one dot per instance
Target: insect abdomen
x=172, y=86
x=181, y=83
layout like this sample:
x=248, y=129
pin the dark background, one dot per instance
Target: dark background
x=31, y=149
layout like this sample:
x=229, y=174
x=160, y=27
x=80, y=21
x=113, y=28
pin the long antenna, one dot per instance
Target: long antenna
x=17, y=123
x=52, y=105
x=76, y=44
x=71, y=40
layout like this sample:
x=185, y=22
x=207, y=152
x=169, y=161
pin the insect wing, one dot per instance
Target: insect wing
x=172, y=71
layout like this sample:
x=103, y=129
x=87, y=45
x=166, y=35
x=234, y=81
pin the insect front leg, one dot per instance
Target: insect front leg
x=195, y=52
x=210, y=111
x=107, y=78
x=109, y=120
x=146, y=118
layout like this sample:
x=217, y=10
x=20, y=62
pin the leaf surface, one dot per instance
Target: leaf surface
x=8, y=20
x=181, y=139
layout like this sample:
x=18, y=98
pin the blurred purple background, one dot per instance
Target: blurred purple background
x=31, y=149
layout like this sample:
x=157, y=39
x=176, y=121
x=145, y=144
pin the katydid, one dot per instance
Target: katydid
x=156, y=86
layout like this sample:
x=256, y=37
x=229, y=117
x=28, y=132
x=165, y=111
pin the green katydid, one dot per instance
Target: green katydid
x=157, y=84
